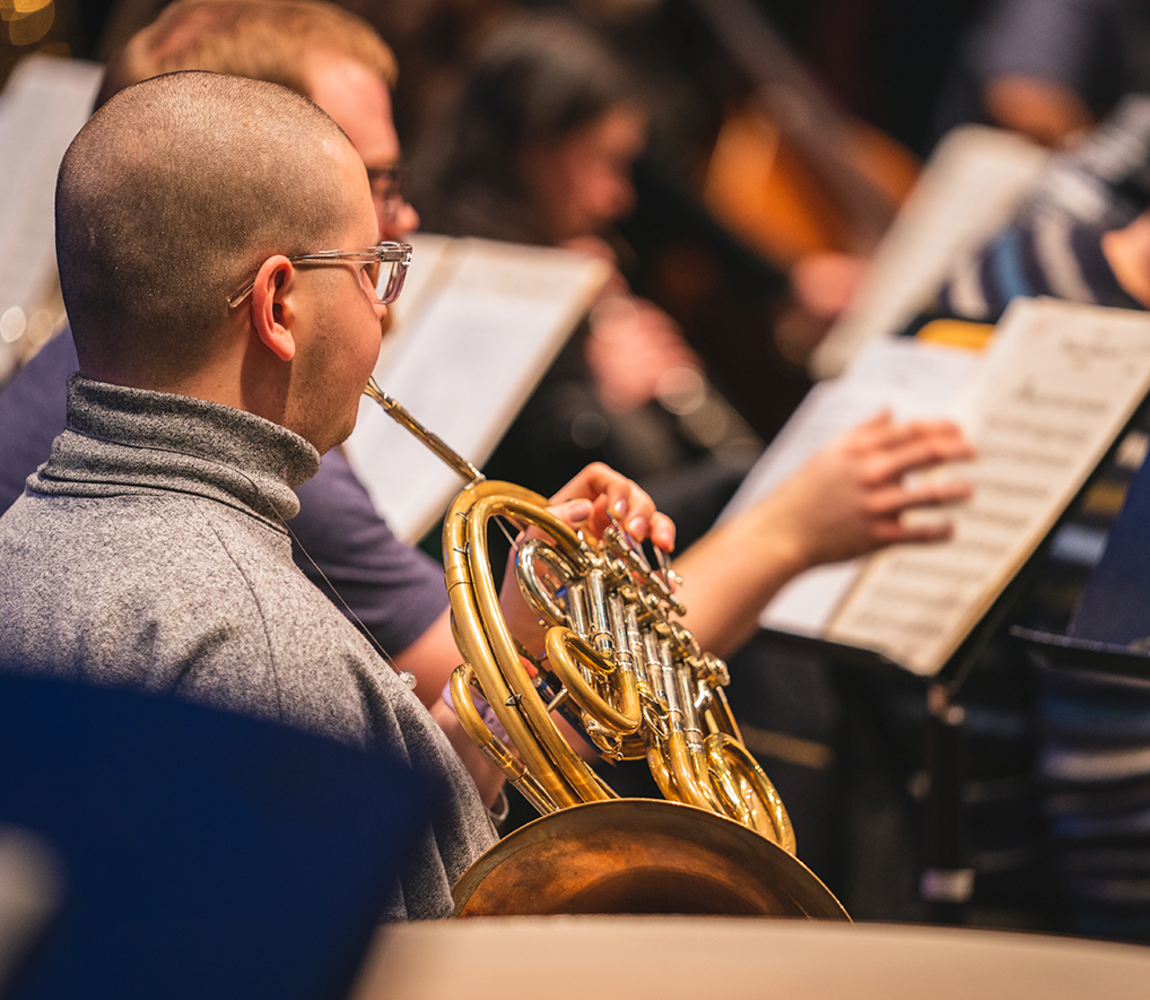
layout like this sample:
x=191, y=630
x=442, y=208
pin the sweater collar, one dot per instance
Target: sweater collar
x=120, y=439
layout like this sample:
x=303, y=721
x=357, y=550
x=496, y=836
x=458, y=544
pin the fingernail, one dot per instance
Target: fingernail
x=620, y=508
x=637, y=525
x=579, y=510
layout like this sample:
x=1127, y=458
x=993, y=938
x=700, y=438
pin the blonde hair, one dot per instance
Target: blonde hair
x=269, y=40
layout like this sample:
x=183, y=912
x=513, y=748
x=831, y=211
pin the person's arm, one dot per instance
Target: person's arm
x=1127, y=252
x=32, y=413
x=845, y=502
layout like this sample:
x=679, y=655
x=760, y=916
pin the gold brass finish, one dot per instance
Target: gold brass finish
x=641, y=856
x=622, y=668
x=635, y=677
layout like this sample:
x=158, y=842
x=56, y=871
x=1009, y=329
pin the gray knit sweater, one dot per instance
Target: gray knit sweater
x=150, y=551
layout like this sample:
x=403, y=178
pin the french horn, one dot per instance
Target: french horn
x=622, y=670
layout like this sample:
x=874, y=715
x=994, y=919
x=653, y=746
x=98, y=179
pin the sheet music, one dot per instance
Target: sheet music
x=969, y=189
x=910, y=378
x=484, y=322
x=43, y=106
x=1060, y=381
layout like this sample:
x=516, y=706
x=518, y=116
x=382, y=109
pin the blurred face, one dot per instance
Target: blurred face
x=337, y=354
x=582, y=184
x=358, y=101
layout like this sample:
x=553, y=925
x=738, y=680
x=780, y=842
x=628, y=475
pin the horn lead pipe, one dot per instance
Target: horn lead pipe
x=449, y=455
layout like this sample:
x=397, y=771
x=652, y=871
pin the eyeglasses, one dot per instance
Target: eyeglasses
x=387, y=267
x=387, y=185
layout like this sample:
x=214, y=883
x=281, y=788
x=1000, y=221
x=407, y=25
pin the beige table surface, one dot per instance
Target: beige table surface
x=555, y=958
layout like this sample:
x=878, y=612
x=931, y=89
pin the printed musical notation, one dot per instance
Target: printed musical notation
x=1057, y=386
x=906, y=376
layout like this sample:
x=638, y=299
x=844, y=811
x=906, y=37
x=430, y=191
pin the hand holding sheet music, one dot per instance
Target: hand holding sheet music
x=1042, y=407
x=857, y=494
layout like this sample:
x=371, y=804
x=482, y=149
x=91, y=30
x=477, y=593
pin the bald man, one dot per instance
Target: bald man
x=321, y=51
x=395, y=593
x=151, y=549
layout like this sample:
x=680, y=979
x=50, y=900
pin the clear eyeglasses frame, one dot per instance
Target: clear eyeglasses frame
x=387, y=263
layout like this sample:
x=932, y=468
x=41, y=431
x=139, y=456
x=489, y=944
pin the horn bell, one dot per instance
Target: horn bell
x=641, y=856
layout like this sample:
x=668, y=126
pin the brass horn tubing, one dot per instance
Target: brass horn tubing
x=629, y=658
x=730, y=757
x=735, y=806
x=399, y=414
x=479, y=733
x=580, y=619
x=636, y=646
x=577, y=607
x=503, y=677
x=666, y=752
x=626, y=659
x=657, y=757
x=530, y=552
x=722, y=719
x=465, y=620
x=650, y=647
x=636, y=563
x=623, y=656
x=600, y=636
x=467, y=591
x=564, y=648
x=688, y=759
x=682, y=764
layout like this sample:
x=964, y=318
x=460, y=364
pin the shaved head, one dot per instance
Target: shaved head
x=170, y=198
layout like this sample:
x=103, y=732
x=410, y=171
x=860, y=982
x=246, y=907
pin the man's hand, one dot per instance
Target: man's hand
x=583, y=504
x=585, y=500
x=846, y=501
x=849, y=498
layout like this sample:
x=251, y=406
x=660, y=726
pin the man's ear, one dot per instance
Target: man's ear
x=272, y=313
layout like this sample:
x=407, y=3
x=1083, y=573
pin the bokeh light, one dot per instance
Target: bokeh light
x=12, y=324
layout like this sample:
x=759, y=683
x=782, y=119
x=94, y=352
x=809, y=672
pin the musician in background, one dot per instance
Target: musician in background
x=1081, y=234
x=847, y=501
x=538, y=148
x=1051, y=69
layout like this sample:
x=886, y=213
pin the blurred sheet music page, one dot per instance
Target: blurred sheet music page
x=1057, y=385
x=968, y=191
x=475, y=329
x=44, y=104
